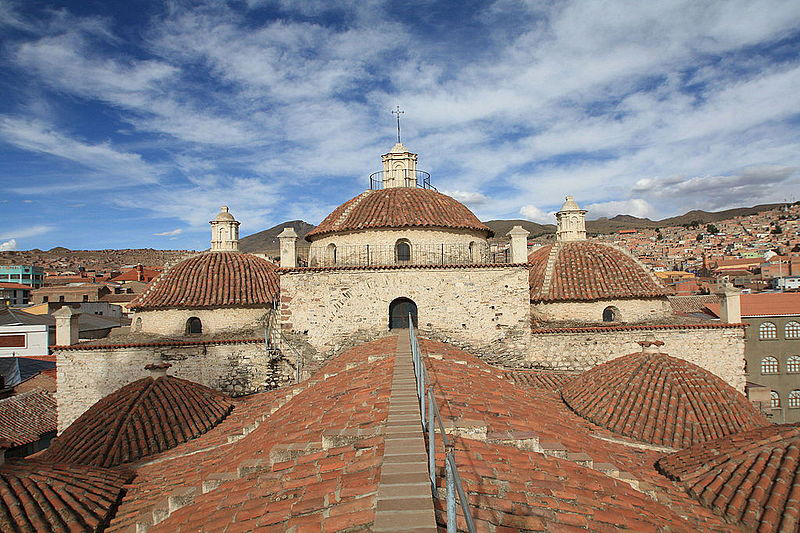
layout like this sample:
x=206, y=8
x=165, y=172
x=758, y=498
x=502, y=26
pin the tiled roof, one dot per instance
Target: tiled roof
x=586, y=270
x=659, y=399
x=41, y=497
x=540, y=379
x=7, y=285
x=466, y=266
x=399, y=207
x=765, y=304
x=639, y=327
x=25, y=417
x=142, y=418
x=104, y=346
x=213, y=279
x=692, y=304
x=750, y=478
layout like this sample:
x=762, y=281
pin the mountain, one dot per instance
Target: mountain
x=501, y=227
x=266, y=242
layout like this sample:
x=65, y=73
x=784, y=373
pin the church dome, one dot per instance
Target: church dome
x=224, y=215
x=586, y=270
x=399, y=207
x=662, y=400
x=750, y=478
x=143, y=418
x=213, y=279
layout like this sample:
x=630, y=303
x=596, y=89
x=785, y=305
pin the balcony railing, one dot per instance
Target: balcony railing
x=415, y=254
x=404, y=177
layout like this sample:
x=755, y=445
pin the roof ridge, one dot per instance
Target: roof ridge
x=116, y=431
x=347, y=210
x=548, y=269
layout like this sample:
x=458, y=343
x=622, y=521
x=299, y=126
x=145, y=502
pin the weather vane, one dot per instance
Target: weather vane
x=398, y=113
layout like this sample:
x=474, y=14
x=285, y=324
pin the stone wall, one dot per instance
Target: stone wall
x=235, y=367
x=717, y=349
x=172, y=322
x=426, y=247
x=629, y=310
x=472, y=307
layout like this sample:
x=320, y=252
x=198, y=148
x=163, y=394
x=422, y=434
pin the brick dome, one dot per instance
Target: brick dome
x=399, y=207
x=41, y=497
x=586, y=270
x=659, y=399
x=751, y=478
x=213, y=279
x=142, y=418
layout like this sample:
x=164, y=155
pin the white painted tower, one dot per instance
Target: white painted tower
x=571, y=222
x=224, y=232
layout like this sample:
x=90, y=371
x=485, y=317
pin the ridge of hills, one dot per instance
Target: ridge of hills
x=266, y=241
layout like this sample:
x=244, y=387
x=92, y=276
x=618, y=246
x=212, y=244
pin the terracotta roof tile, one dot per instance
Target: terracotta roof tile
x=41, y=497
x=692, y=304
x=660, y=399
x=213, y=279
x=142, y=418
x=765, y=304
x=399, y=207
x=540, y=379
x=25, y=417
x=586, y=270
x=751, y=478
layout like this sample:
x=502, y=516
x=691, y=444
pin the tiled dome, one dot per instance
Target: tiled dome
x=42, y=497
x=659, y=399
x=586, y=270
x=142, y=418
x=399, y=207
x=751, y=478
x=213, y=279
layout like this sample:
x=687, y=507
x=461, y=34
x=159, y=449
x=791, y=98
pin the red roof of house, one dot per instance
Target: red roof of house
x=399, y=207
x=659, y=399
x=765, y=304
x=586, y=270
x=25, y=417
x=145, y=274
x=168, y=410
x=18, y=286
x=751, y=478
x=213, y=279
x=540, y=379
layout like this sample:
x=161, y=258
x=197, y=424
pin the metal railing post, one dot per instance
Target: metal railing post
x=451, y=491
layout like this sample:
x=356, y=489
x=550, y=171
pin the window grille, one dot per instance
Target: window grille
x=793, y=364
x=767, y=330
x=769, y=365
x=774, y=400
x=794, y=399
x=792, y=330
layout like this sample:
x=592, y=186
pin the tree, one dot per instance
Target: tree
x=699, y=237
x=711, y=228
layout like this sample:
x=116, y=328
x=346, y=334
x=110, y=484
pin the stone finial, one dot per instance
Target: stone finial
x=224, y=232
x=158, y=370
x=399, y=167
x=730, y=302
x=288, y=240
x=650, y=344
x=67, y=326
x=519, y=244
x=571, y=222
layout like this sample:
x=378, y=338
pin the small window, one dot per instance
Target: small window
x=767, y=330
x=194, y=326
x=792, y=330
x=474, y=256
x=793, y=364
x=769, y=365
x=45, y=299
x=137, y=324
x=403, y=251
x=774, y=400
x=60, y=298
x=611, y=314
x=330, y=253
x=85, y=297
x=794, y=399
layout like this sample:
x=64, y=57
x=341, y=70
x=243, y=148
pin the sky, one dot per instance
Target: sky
x=127, y=124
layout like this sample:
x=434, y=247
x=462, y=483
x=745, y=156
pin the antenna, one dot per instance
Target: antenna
x=398, y=112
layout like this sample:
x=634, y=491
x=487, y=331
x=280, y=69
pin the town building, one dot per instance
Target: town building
x=14, y=294
x=30, y=275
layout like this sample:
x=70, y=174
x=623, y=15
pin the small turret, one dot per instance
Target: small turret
x=571, y=222
x=224, y=232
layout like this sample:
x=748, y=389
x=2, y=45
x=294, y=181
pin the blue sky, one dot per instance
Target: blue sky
x=126, y=124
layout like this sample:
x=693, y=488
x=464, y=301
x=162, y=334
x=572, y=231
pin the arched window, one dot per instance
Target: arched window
x=769, y=365
x=330, y=254
x=793, y=364
x=794, y=399
x=792, y=330
x=402, y=251
x=474, y=255
x=194, y=326
x=399, y=311
x=137, y=325
x=767, y=330
x=611, y=314
x=774, y=400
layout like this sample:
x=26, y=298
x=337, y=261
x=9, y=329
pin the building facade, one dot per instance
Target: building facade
x=32, y=276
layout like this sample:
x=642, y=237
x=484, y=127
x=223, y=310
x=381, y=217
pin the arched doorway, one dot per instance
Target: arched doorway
x=399, y=310
x=194, y=326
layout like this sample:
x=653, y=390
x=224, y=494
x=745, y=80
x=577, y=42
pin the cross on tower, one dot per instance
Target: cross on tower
x=398, y=113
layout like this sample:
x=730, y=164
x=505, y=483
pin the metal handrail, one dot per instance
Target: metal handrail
x=411, y=178
x=453, y=480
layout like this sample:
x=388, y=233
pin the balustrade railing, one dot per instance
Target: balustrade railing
x=400, y=178
x=453, y=483
x=414, y=254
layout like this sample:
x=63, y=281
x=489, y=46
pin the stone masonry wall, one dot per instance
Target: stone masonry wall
x=172, y=322
x=630, y=310
x=719, y=350
x=237, y=368
x=472, y=307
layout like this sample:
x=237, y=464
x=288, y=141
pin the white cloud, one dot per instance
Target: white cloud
x=8, y=246
x=470, y=198
x=24, y=233
x=534, y=214
x=171, y=233
x=635, y=207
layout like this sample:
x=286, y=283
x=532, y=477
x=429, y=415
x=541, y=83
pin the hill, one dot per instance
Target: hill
x=266, y=242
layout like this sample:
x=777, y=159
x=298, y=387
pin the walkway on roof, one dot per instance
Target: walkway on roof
x=404, y=500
